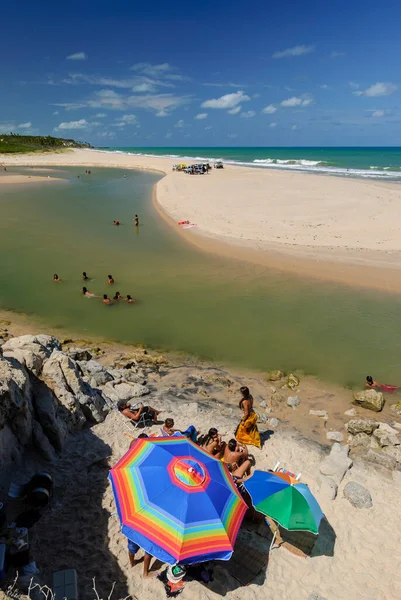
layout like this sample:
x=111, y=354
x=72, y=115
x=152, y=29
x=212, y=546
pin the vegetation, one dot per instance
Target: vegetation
x=13, y=143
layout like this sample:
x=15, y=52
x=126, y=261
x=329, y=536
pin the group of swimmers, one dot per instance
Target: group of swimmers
x=135, y=219
x=105, y=299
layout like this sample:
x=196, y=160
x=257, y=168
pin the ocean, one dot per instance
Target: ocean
x=372, y=163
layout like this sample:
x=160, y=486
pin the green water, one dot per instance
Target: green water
x=228, y=311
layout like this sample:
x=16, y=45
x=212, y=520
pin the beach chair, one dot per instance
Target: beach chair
x=129, y=423
x=277, y=469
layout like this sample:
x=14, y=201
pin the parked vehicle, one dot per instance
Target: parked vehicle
x=218, y=165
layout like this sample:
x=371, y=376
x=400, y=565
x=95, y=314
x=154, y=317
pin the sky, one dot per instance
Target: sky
x=206, y=74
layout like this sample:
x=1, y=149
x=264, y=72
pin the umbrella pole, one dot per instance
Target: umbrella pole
x=273, y=540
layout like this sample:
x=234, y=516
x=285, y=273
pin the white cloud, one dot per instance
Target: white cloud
x=106, y=134
x=137, y=83
x=294, y=51
x=358, y=93
x=56, y=112
x=130, y=119
x=273, y=125
x=201, y=116
x=163, y=70
x=294, y=127
x=378, y=113
x=378, y=89
x=230, y=84
x=234, y=111
x=208, y=127
x=77, y=56
x=294, y=101
x=353, y=85
x=168, y=135
x=99, y=115
x=336, y=54
x=324, y=86
x=226, y=101
x=6, y=127
x=81, y=124
x=143, y=87
x=269, y=110
x=27, y=125
x=180, y=124
x=232, y=135
x=248, y=115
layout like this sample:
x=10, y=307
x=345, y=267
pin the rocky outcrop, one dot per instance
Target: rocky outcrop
x=370, y=399
x=43, y=398
x=357, y=495
x=333, y=469
x=361, y=426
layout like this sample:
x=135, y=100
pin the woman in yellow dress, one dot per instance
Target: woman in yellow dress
x=247, y=430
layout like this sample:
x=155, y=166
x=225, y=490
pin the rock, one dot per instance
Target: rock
x=292, y=382
x=361, y=426
x=360, y=439
x=127, y=391
x=386, y=436
x=394, y=452
x=396, y=425
x=100, y=379
x=61, y=374
x=379, y=458
x=374, y=443
x=80, y=354
x=41, y=441
x=358, y=495
x=262, y=418
x=327, y=487
x=335, y=436
x=293, y=401
x=97, y=374
x=370, y=399
x=135, y=377
x=274, y=375
x=31, y=350
x=262, y=404
x=273, y=422
x=337, y=463
x=351, y=412
x=319, y=413
x=395, y=408
x=316, y=596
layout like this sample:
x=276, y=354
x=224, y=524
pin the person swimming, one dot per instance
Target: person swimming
x=116, y=222
x=87, y=293
x=136, y=221
x=370, y=383
x=117, y=296
x=110, y=279
x=129, y=299
x=56, y=277
x=84, y=276
x=106, y=299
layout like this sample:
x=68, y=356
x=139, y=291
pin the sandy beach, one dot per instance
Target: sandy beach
x=313, y=225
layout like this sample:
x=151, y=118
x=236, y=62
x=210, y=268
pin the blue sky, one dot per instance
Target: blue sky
x=203, y=74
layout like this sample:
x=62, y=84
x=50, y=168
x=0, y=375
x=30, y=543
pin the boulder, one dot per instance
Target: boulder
x=358, y=495
x=382, y=459
x=370, y=399
x=327, y=487
x=394, y=452
x=41, y=442
x=274, y=375
x=337, y=463
x=96, y=373
x=292, y=382
x=351, y=412
x=360, y=439
x=262, y=404
x=395, y=408
x=396, y=425
x=386, y=437
x=273, y=422
x=32, y=350
x=335, y=436
x=80, y=354
x=127, y=391
x=361, y=426
x=293, y=401
x=16, y=410
x=62, y=375
x=319, y=413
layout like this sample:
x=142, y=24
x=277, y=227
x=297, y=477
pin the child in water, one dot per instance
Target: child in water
x=87, y=293
x=110, y=280
x=84, y=276
x=56, y=278
x=129, y=299
x=106, y=300
x=117, y=296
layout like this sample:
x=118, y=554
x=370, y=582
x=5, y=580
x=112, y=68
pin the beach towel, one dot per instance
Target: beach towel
x=247, y=431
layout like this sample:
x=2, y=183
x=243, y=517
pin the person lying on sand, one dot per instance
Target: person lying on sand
x=168, y=430
x=212, y=443
x=110, y=280
x=146, y=558
x=87, y=293
x=235, y=454
x=117, y=296
x=56, y=278
x=370, y=383
x=106, y=299
x=135, y=413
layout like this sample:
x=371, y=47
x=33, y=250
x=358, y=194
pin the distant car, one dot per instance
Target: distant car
x=219, y=165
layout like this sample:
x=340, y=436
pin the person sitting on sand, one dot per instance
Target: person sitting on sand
x=87, y=293
x=110, y=280
x=106, y=299
x=135, y=413
x=235, y=454
x=140, y=437
x=117, y=296
x=133, y=548
x=168, y=430
x=56, y=278
x=84, y=276
x=212, y=443
x=370, y=383
x=129, y=299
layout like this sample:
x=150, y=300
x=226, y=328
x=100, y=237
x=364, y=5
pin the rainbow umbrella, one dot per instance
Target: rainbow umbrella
x=282, y=498
x=176, y=501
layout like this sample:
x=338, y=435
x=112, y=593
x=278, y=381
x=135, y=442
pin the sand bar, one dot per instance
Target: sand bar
x=314, y=225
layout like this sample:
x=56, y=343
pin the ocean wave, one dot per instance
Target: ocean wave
x=302, y=165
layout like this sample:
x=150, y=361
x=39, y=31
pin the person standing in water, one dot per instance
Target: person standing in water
x=110, y=280
x=136, y=221
x=117, y=296
x=84, y=276
x=106, y=299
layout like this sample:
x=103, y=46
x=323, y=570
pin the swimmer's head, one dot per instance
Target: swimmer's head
x=105, y=297
x=369, y=379
x=84, y=290
x=129, y=297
